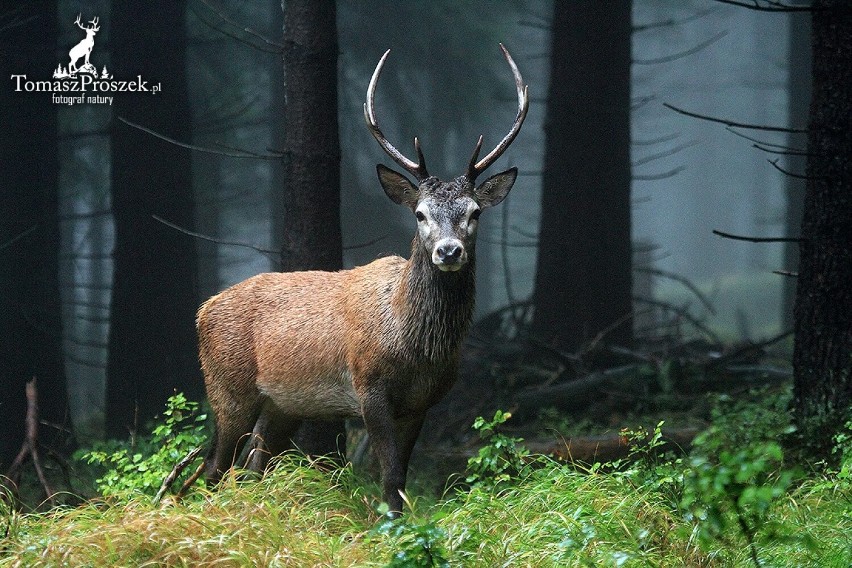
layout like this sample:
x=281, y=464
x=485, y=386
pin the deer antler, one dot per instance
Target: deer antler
x=475, y=168
x=77, y=21
x=95, y=23
x=418, y=170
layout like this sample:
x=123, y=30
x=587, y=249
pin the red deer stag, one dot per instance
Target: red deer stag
x=380, y=341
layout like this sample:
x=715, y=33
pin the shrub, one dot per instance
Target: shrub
x=139, y=468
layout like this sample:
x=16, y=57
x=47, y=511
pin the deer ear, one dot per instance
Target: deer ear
x=398, y=187
x=495, y=189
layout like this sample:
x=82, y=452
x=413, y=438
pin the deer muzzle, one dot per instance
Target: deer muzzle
x=449, y=255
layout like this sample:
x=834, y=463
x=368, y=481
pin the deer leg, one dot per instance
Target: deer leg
x=234, y=419
x=408, y=430
x=270, y=437
x=380, y=424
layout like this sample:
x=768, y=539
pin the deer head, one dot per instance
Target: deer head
x=447, y=212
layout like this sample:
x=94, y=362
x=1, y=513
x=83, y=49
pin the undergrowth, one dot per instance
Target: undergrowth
x=733, y=501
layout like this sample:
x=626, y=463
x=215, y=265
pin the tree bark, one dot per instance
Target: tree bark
x=311, y=237
x=583, y=281
x=152, y=342
x=30, y=314
x=799, y=89
x=822, y=357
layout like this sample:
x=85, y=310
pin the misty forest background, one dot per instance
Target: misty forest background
x=602, y=266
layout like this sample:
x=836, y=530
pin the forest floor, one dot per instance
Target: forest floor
x=549, y=514
x=641, y=458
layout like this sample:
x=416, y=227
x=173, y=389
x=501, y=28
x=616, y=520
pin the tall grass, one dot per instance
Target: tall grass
x=299, y=515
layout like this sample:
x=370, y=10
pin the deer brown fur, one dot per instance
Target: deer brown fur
x=380, y=341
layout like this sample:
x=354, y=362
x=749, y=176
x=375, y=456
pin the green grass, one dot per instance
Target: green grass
x=298, y=515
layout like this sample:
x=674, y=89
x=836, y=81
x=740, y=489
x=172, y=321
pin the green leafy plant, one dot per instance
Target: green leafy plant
x=500, y=459
x=649, y=465
x=418, y=543
x=737, y=473
x=843, y=449
x=735, y=490
x=140, y=468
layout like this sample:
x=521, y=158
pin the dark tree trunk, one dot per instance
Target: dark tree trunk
x=152, y=346
x=30, y=324
x=583, y=279
x=799, y=89
x=310, y=200
x=822, y=358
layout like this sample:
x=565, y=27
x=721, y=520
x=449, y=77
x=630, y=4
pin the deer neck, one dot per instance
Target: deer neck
x=435, y=307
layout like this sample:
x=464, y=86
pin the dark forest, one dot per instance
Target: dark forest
x=649, y=361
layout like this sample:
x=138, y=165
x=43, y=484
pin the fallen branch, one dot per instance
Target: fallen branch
x=30, y=447
x=607, y=447
x=176, y=471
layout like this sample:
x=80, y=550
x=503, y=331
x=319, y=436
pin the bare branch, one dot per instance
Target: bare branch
x=241, y=154
x=671, y=22
x=365, y=244
x=781, y=152
x=274, y=47
x=789, y=173
x=664, y=153
x=727, y=122
x=18, y=237
x=638, y=102
x=758, y=239
x=748, y=349
x=658, y=140
x=30, y=447
x=212, y=239
x=683, y=313
x=761, y=142
x=663, y=175
x=680, y=55
x=770, y=6
x=536, y=25
x=683, y=280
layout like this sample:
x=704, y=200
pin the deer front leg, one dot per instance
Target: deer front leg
x=378, y=418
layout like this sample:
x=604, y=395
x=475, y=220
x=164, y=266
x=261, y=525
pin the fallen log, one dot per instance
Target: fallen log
x=608, y=447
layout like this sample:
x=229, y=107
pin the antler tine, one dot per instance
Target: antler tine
x=474, y=169
x=418, y=169
x=471, y=167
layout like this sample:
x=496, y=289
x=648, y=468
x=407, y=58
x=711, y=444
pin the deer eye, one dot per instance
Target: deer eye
x=420, y=216
x=474, y=215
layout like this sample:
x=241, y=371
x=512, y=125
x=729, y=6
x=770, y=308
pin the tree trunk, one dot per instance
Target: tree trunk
x=822, y=357
x=152, y=342
x=583, y=280
x=310, y=200
x=799, y=89
x=30, y=324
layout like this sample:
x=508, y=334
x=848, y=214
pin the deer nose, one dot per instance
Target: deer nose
x=450, y=252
